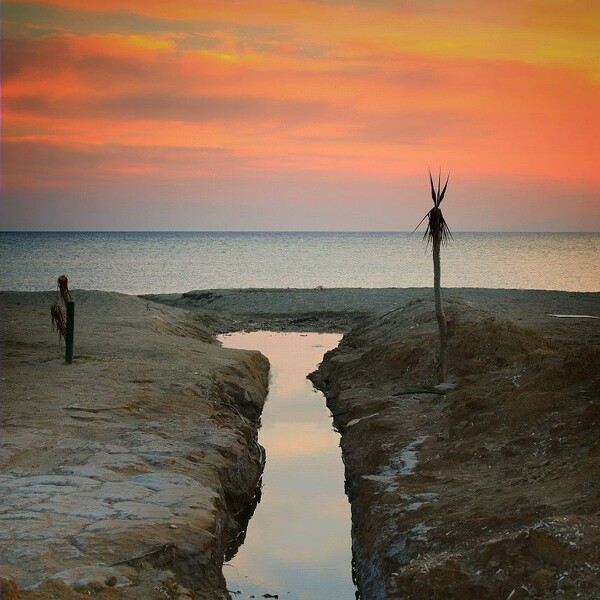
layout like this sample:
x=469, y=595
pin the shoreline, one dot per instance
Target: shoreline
x=149, y=379
x=340, y=309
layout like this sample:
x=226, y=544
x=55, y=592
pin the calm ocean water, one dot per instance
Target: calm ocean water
x=151, y=262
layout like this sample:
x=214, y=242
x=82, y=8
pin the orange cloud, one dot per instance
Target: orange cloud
x=346, y=90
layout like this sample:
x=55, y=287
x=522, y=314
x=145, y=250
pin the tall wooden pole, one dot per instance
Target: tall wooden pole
x=63, y=284
x=439, y=309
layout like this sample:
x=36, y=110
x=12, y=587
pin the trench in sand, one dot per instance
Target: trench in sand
x=297, y=544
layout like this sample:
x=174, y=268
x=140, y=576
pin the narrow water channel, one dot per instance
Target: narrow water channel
x=298, y=544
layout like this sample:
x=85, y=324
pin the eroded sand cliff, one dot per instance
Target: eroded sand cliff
x=123, y=474
x=488, y=489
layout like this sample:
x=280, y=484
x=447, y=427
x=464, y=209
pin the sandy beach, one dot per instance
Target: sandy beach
x=304, y=180
x=123, y=473
x=340, y=309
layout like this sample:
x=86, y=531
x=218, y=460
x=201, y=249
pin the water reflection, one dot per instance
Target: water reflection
x=298, y=541
x=243, y=518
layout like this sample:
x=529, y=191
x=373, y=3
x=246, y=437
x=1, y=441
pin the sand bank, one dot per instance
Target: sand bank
x=488, y=488
x=127, y=467
x=123, y=473
x=339, y=309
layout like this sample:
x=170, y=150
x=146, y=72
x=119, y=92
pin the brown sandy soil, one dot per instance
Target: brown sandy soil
x=123, y=474
x=491, y=489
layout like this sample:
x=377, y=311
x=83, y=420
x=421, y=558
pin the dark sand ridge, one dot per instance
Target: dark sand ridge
x=339, y=309
x=138, y=354
x=490, y=489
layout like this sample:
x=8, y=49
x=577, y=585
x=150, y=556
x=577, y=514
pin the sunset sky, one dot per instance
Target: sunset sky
x=299, y=115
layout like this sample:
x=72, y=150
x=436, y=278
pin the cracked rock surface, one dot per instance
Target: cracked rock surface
x=123, y=472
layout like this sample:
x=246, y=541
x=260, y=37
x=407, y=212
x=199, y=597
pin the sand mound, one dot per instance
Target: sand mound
x=488, y=491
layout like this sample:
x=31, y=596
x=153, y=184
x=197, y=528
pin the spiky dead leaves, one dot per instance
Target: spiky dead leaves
x=437, y=228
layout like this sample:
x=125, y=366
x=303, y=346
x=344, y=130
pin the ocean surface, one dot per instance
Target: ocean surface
x=176, y=262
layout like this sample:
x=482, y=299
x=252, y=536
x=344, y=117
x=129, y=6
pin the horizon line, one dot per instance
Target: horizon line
x=279, y=231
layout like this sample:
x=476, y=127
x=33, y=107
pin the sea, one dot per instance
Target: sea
x=177, y=262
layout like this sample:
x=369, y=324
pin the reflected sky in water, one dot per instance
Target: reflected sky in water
x=298, y=542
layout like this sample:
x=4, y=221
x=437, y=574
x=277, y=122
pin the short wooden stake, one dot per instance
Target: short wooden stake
x=70, y=331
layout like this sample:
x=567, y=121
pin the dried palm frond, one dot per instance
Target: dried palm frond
x=58, y=320
x=437, y=228
x=63, y=286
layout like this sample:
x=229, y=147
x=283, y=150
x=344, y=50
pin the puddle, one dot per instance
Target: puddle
x=297, y=544
x=573, y=316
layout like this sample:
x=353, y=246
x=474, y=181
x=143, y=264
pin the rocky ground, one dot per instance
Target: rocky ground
x=488, y=487
x=123, y=475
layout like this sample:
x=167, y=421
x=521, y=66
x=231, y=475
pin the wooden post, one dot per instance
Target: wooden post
x=70, y=330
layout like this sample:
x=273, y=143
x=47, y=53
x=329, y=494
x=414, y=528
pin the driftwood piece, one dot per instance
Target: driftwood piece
x=65, y=324
x=58, y=320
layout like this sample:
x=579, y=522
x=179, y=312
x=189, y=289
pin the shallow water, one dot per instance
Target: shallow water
x=298, y=541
